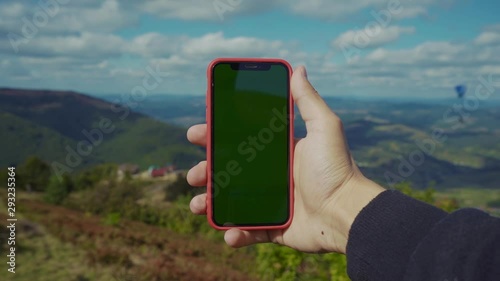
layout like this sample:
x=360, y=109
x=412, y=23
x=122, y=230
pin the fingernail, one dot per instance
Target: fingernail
x=304, y=72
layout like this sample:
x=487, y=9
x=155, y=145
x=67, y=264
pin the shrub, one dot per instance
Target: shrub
x=110, y=197
x=494, y=204
x=281, y=263
x=112, y=219
x=447, y=204
x=426, y=195
x=34, y=174
x=91, y=176
x=178, y=188
x=278, y=263
x=58, y=189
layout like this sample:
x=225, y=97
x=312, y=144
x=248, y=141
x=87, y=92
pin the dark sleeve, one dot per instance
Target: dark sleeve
x=396, y=237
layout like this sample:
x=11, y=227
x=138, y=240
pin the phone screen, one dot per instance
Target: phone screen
x=250, y=142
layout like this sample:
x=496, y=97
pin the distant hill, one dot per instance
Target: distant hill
x=382, y=131
x=380, y=134
x=46, y=123
x=381, y=148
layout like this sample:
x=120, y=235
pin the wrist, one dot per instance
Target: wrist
x=345, y=206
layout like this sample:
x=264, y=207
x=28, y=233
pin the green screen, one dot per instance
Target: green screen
x=250, y=144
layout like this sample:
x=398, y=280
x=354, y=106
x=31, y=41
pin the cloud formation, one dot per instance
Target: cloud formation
x=83, y=46
x=371, y=37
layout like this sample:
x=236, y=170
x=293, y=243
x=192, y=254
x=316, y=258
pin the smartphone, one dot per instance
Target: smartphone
x=249, y=144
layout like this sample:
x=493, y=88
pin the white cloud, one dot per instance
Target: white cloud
x=110, y=15
x=14, y=70
x=80, y=49
x=84, y=45
x=428, y=69
x=332, y=9
x=212, y=10
x=428, y=53
x=488, y=38
x=215, y=44
x=66, y=18
x=411, y=12
x=343, y=9
x=186, y=10
x=84, y=63
x=188, y=64
x=54, y=61
x=371, y=37
x=11, y=9
x=154, y=44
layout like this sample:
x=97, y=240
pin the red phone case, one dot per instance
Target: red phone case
x=209, y=144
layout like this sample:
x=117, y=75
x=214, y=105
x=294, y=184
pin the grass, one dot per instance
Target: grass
x=43, y=257
x=70, y=245
x=472, y=197
x=59, y=243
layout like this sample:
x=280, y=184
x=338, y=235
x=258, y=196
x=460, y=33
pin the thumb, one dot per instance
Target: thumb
x=311, y=105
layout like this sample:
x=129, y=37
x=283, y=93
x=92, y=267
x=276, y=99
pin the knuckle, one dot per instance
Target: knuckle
x=334, y=120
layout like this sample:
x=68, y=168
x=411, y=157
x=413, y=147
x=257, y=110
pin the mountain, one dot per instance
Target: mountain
x=385, y=136
x=389, y=152
x=61, y=126
x=382, y=132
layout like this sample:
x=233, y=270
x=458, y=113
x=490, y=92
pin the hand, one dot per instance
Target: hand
x=329, y=188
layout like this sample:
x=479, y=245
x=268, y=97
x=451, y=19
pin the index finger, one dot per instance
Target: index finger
x=197, y=134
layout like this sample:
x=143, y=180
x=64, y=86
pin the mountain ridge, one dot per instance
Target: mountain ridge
x=68, y=118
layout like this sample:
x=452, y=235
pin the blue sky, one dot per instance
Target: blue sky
x=376, y=48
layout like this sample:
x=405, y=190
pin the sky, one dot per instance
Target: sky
x=362, y=48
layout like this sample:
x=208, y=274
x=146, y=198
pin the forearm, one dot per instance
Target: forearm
x=385, y=234
x=399, y=238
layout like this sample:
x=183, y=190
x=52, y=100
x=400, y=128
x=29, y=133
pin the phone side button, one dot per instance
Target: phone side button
x=206, y=106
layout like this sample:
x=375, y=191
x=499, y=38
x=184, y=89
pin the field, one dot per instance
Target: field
x=57, y=243
x=92, y=224
x=129, y=231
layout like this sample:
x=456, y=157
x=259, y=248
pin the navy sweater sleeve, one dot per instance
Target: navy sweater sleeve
x=396, y=237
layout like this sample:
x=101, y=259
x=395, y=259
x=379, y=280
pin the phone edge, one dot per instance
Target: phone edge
x=291, y=144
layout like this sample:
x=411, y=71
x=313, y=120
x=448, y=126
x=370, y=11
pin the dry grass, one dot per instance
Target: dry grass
x=71, y=245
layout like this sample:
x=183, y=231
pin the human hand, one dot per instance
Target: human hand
x=329, y=188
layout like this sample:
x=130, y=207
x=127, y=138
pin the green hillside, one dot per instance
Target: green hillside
x=382, y=131
x=22, y=138
x=464, y=158
x=49, y=124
